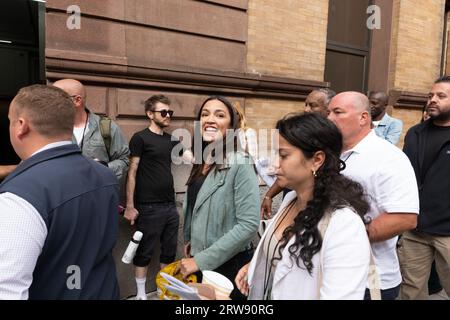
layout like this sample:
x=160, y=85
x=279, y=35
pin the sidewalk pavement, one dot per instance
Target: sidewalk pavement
x=437, y=296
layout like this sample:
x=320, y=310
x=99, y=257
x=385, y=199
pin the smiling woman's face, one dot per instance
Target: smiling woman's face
x=215, y=119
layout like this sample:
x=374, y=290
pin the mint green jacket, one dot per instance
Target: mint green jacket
x=226, y=215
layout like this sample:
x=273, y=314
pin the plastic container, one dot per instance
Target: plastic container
x=130, y=252
x=222, y=285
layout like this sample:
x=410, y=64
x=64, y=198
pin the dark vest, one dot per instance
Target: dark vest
x=77, y=199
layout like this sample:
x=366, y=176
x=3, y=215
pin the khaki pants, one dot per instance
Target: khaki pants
x=416, y=253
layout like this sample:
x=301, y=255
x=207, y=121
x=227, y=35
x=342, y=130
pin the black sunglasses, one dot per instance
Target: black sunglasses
x=164, y=113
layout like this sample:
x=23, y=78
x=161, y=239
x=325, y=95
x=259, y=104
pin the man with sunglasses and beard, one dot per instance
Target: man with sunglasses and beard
x=150, y=190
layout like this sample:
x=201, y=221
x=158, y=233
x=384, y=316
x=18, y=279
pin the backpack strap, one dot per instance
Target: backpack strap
x=322, y=229
x=373, y=277
x=105, y=129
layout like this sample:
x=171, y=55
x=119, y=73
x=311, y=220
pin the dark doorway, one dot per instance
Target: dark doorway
x=348, y=45
x=21, y=59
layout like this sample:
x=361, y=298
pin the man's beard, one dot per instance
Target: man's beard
x=375, y=113
x=160, y=124
x=443, y=116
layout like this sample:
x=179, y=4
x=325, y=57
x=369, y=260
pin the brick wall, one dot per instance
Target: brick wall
x=287, y=38
x=447, y=51
x=264, y=114
x=410, y=117
x=417, y=44
x=415, y=60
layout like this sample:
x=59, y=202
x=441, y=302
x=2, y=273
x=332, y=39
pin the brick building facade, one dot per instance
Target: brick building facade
x=268, y=55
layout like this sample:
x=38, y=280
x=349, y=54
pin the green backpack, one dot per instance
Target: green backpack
x=105, y=129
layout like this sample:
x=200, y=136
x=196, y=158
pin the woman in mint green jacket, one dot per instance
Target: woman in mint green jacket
x=221, y=207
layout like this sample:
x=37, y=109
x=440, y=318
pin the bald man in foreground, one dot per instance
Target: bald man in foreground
x=388, y=179
x=109, y=146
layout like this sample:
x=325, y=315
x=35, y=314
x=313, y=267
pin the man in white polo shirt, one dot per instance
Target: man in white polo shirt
x=388, y=179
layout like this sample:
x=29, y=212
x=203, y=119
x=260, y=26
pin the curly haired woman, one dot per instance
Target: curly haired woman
x=316, y=246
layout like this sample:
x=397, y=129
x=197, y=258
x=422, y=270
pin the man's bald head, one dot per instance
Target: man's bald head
x=74, y=89
x=350, y=111
x=378, y=103
x=355, y=100
x=318, y=100
x=380, y=95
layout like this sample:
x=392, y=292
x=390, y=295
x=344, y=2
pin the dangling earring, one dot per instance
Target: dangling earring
x=314, y=173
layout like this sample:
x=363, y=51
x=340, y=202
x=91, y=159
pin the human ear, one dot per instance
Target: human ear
x=365, y=117
x=318, y=160
x=23, y=127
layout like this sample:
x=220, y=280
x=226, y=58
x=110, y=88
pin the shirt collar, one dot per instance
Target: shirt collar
x=52, y=145
x=363, y=145
x=384, y=121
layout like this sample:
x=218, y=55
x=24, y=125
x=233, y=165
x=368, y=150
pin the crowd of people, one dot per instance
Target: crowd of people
x=349, y=194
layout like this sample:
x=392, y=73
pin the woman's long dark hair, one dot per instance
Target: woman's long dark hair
x=197, y=168
x=311, y=133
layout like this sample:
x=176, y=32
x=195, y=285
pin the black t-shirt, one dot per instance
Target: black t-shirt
x=193, y=190
x=436, y=137
x=154, y=181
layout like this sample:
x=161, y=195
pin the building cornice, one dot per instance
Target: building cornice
x=407, y=99
x=190, y=80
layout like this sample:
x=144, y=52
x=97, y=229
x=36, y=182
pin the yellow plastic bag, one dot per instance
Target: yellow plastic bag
x=165, y=294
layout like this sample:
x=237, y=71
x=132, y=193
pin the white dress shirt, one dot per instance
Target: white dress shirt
x=389, y=180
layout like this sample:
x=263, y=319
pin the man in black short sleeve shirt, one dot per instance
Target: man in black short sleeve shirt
x=154, y=181
x=150, y=190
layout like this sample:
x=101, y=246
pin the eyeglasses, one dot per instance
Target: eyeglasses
x=164, y=113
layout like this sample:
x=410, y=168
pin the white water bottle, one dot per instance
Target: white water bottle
x=132, y=247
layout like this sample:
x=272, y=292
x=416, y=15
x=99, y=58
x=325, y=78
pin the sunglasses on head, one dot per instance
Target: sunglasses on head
x=164, y=113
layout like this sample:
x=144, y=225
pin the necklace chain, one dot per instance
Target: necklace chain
x=268, y=267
